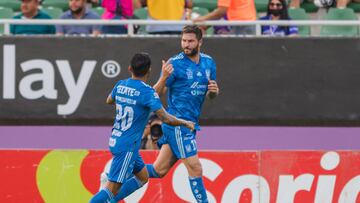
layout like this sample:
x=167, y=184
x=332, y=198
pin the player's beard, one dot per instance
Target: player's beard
x=193, y=52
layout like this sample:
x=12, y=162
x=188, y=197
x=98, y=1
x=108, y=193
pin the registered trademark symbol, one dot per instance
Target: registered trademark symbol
x=110, y=69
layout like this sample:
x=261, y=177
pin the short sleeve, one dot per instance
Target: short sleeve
x=152, y=100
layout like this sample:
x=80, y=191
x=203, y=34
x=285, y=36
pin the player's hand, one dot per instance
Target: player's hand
x=190, y=125
x=167, y=68
x=213, y=87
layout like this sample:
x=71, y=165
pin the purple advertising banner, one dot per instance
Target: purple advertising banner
x=209, y=138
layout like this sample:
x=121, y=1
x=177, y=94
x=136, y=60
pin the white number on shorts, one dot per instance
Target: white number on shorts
x=126, y=117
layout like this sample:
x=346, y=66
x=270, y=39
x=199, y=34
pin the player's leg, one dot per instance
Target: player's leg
x=106, y=194
x=134, y=183
x=121, y=167
x=163, y=163
x=194, y=168
x=188, y=152
x=166, y=158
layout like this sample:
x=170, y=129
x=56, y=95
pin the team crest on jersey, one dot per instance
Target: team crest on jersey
x=199, y=74
x=156, y=96
x=189, y=74
x=207, y=72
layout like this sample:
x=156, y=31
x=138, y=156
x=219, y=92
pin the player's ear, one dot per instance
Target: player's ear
x=200, y=42
x=130, y=69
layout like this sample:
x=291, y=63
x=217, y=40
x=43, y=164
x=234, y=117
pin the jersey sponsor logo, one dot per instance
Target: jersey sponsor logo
x=198, y=92
x=125, y=100
x=127, y=91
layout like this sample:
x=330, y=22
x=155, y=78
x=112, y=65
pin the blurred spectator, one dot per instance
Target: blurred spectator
x=116, y=9
x=167, y=10
x=152, y=133
x=234, y=10
x=324, y=3
x=277, y=10
x=78, y=10
x=29, y=10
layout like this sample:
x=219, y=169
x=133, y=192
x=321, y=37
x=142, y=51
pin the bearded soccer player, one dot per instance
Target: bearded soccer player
x=189, y=78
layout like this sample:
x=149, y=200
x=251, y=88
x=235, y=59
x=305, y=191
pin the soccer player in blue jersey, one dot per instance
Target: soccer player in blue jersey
x=134, y=100
x=189, y=78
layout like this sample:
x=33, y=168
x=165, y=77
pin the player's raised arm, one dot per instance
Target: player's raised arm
x=166, y=70
x=172, y=120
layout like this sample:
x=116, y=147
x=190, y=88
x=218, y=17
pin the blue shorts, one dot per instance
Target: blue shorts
x=124, y=164
x=181, y=140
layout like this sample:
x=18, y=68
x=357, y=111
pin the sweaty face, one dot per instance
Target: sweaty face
x=189, y=44
x=29, y=7
x=76, y=6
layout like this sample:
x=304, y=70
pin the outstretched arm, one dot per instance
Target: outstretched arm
x=172, y=120
x=167, y=69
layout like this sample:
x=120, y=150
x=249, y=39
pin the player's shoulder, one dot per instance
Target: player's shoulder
x=208, y=60
x=177, y=58
x=206, y=57
x=146, y=87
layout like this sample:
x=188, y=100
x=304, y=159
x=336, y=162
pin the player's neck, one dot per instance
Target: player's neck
x=195, y=58
x=139, y=78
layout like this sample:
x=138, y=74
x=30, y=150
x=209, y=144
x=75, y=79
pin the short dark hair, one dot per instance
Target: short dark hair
x=192, y=29
x=140, y=64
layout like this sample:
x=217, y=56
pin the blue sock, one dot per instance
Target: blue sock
x=151, y=171
x=198, y=189
x=102, y=196
x=130, y=186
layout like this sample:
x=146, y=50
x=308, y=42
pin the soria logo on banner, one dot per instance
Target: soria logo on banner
x=75, y=87
x=229, y=177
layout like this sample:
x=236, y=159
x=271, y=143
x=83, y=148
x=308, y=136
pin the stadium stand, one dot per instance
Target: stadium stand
x=99, y=10
x=197, y=11
x=53, y=12
x=141, y=13
x=5, y=13
x=13, y=4
x=261, y=5
x=300, y=14
x=340, y=14
x=354, y=6
x=208, y=4
x=62, y=4
x=309, y=7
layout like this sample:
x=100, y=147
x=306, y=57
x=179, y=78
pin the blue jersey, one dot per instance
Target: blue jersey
x=188, y=84
x=134, y=101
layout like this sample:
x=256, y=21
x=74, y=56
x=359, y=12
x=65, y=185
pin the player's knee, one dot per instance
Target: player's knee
x=161, y=172
x=196, y=169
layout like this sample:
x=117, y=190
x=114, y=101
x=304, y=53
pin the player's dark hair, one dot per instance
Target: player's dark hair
x=140, y=64
x=192, y=29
